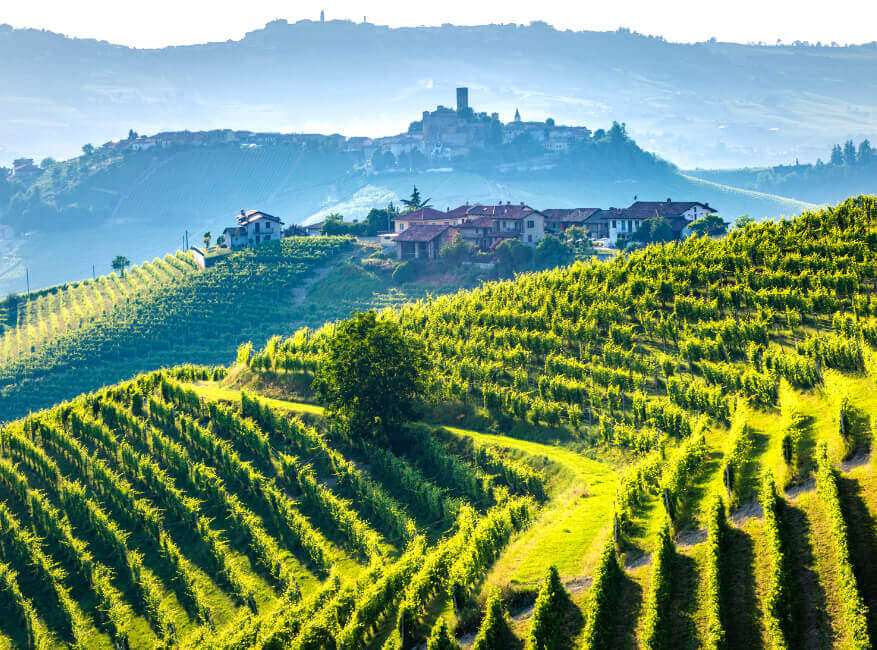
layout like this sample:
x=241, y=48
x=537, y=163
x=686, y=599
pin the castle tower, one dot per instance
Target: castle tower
x=517, y=115
x=462, y=99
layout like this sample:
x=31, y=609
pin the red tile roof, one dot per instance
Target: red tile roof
x=477, y=222
x=421, y=233
x=502, y=211
x=651, y=209
x=570, y=215
x=423, y=214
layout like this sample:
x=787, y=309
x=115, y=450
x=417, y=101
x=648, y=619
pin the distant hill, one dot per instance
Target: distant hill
x=850, y=170
x=140, y=203
x=706, y=104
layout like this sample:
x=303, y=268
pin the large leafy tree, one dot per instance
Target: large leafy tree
x=711, y=225
x=551, y=252
x=120, y=263
x=656, y=229
x=370, y=376
x=512, y=255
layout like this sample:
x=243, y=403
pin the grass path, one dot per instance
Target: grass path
x=569, y=531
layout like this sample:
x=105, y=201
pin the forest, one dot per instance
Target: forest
x=669, y=449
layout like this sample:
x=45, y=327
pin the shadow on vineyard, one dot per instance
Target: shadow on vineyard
x=669, y=449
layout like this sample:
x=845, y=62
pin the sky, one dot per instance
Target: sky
x=158, y=23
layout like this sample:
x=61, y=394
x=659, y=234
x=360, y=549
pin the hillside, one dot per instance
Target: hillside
x=706, y=104
x=684, y=433
x=849, y=171
x=86, y=210
x=79, y=336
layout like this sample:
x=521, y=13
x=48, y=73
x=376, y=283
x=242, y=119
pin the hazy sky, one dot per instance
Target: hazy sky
x=173, y=22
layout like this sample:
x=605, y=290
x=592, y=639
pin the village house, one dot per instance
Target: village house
x=314, y=229
x=253, y=227
x=25, y=170
x=424, y=217
x=558, y=220
x=517, y=221
x=615, y=223
x=423, y=242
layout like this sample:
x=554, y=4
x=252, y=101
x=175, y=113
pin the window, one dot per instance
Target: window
x=531, y=224
x=613, y=224
x=530, y=239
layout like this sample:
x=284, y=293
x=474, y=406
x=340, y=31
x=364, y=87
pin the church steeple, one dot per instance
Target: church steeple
x=517, y=115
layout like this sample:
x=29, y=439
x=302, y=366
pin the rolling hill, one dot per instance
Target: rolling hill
x=707, y=104
x=86, y=210
x=671, y=449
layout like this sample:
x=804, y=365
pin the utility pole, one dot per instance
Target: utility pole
x=27, y=279
x=187, y=240
x=93, y=274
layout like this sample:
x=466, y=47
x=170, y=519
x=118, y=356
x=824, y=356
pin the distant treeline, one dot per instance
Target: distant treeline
x=850, y=170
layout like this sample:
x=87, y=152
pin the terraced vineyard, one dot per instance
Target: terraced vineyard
x=697, y=370
x=141, y=515
x=672, y=449
x=79, y=337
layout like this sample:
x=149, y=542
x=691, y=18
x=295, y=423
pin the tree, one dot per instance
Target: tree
x=440, y=638
x=849, y=153
x=837, y=155
x=866, y=153
x=551, y=252
x=743, y=220
x=383, y=160
x=378, y=220
x=207, y=238
x=220, y=241
x=456, y=251
x=47, y=162
x=370, y=376
x=87, y=149
x=132, y=134
x=495, y=631
x=711, y=225
x=415, y=202
x=656, y=229
x=120, y=263
x=512, y=255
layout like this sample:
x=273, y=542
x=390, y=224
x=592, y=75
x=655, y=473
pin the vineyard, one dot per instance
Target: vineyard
x=78, y=337
x=671, y=449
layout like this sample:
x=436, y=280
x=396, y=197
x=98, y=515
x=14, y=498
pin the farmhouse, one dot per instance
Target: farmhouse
x=616, y=223
x=423, y=242
x=425, y=217
x=558, y=220
x=253, y=227
x=517, y=221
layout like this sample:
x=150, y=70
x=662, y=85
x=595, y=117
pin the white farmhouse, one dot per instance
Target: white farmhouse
x=254, y=227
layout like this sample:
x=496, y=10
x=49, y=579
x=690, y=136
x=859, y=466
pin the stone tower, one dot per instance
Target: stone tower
x=462, y=99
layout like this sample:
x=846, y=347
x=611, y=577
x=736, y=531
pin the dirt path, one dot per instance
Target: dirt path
x=300, y=293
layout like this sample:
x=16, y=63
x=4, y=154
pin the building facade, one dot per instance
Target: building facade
x=253, y=227
x=423, y=242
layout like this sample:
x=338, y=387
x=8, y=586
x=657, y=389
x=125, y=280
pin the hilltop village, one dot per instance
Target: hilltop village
x=442, y=135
